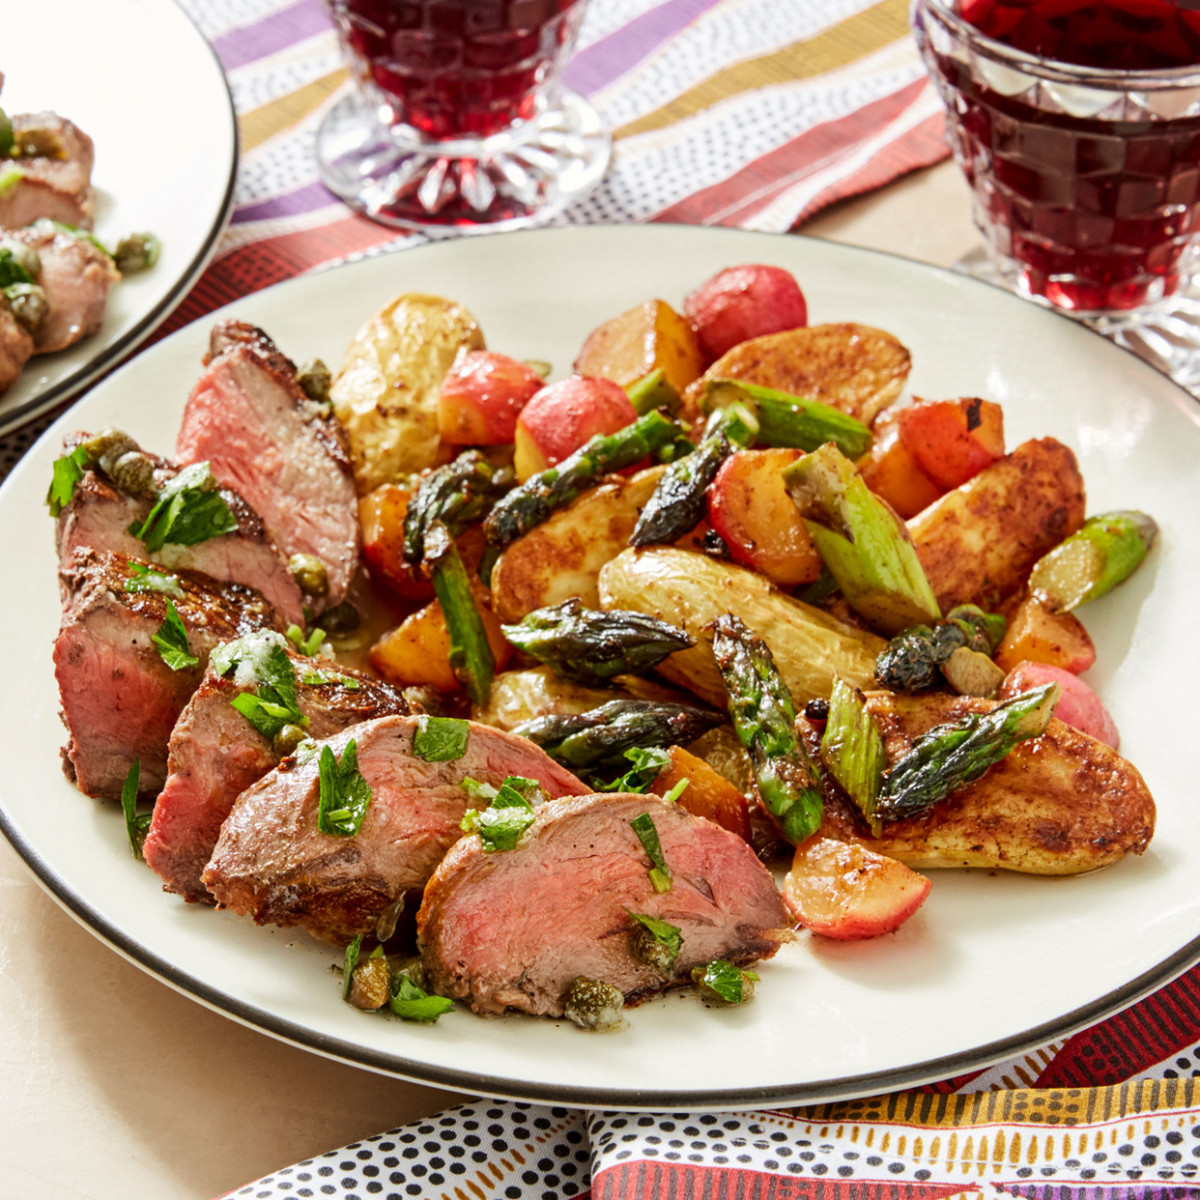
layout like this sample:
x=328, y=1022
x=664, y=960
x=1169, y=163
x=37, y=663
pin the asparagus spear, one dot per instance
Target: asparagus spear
x=680, y=496
x=653, y=391
x=600, y=737
x=790, y=420
x=456, y=495
x=861, y=540
x=764, y=719
x=852, y=749
x=591, y=647
x=1093, y=560
x=542, y=494
x=950, y=756
x=471, y=656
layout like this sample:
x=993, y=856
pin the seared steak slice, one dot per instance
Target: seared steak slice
x=58, y=185
x=75, y=276
x=100, y=513
x=120, y=700
x=515, y=928
x=282, y=451
x=16, y=348
x=273, y=863
x=215, y=754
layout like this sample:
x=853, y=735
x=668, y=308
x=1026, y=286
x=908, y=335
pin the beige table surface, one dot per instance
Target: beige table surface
x=113, y=1085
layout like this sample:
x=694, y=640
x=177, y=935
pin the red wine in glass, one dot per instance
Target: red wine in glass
x=1097, y=209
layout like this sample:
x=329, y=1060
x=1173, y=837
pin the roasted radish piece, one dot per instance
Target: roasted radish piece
x=845, y=891
x=1078, y=705
x=951, y=441
x=893, y=474
x=1037, y=635
x=381, y=512
x=651, y=337
x=854, y=368
x=748, y=505
x=482, y=396
x=564, y=416
x=744, y=302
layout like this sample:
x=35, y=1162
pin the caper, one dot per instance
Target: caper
x=39, y=143
x=287, y=740
x=133, y=473
x=371, y=984
x=648, y=949
x=315, y=381
x=28, y=303
x=594, y=1004
x=309, y=573
x=341, y=618
x=137, y=252
x=26, y=257
x=107, y=446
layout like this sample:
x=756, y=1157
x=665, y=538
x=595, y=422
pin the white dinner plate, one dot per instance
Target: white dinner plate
x=992, y=965
x=141, y=80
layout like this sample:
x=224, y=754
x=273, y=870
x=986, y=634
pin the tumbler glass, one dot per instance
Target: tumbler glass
x=1077, y=124
x=459, y=119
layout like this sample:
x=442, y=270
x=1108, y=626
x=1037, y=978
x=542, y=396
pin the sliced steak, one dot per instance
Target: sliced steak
x=16, y=348
x=75, y=276
x=515, y=929
x=120, y=700
x=56, y=184
x=100, y=514
x=280, y=450
x=271, y=861
x=215, y=754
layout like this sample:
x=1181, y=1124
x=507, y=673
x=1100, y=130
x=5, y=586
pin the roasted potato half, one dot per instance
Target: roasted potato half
x=386, y=392
x=854, y=368
x=562, y=557
x=979, y=542
x=691, y=590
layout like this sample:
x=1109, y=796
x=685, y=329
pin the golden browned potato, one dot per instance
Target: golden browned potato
x=635, y=343
x=854, y=368
x=1058, y=804
x=979, y=542
x=562, y=557
x=386, y=392
x=691, y=590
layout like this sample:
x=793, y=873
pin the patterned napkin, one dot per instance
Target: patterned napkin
x=1025, y=1128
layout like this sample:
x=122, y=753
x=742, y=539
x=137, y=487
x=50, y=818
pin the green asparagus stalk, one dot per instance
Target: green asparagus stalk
x=764, y=719
x=952, y=755
x=600, y=737
x=456, y=494
x=790, y=420
x=680, y=496
x=861, y=540
x=1092, y=561
x=590, y=646
x=546, y=492
x=653, y=391
x=471, y=657
x=852, y=749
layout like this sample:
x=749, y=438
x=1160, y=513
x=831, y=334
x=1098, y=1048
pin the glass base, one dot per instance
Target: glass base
x=521, y=177
x=1165, y=334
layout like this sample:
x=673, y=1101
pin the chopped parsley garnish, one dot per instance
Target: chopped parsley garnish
x=11, y=270
x=308, y=646
x=344, y=794
x=648, y=764
x=83, y=235
x=172, y=643
x=147, y=579
x=273, y=703
x=440, y=739
x=676, y=791
x=351, y=961
x=316, y=678
x=68, y=471
x=723, y=981
x=660, y=874
x=478, y=790
x=137, y=825
x=413, y=1003
x=10, y=178
x=501, y=825
x=657, y=942
x=189, y=510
